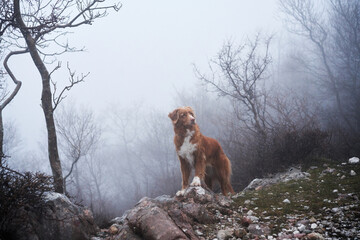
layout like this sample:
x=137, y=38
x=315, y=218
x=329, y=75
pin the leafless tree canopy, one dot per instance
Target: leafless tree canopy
x=333, y=30
x=237, y=73
x=32, y=27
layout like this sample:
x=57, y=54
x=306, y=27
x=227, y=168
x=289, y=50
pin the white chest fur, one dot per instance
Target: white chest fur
x=187, y=149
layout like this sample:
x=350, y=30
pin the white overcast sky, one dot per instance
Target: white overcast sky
x=144, y=52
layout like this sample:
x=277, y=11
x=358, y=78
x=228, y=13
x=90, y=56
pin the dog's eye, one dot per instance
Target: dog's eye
x=183, y=115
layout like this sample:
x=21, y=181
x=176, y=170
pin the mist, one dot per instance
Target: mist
x=114, y=135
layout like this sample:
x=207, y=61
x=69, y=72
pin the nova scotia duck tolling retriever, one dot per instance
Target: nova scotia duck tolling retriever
x=196, y=151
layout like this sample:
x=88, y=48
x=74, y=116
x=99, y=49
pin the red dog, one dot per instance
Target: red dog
x=198, y=151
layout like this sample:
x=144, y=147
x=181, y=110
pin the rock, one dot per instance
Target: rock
x=198, y=232
x=225, y=234
x=259, y=230
x=253, y=219
x=290, y=174
x=153, y=222
x=175, y=218
x=352, y=173
x=298, y=235
x=354, y=160
x=245, y=221
x=58, y=219
x=286, y=201
x=313, y=226
x=315, y=236
x=335, y=210
x=250, y=213
x=329, y=170
x=301, y=227
x=240, y=232
x=114, y=229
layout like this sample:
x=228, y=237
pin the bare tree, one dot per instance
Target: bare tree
x=32, y=27
x=127, y=129
x=6, y=98
x=332, y=29
x=236, y=73
x=79, y=135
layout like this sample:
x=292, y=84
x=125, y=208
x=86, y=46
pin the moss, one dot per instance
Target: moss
x=322, y=192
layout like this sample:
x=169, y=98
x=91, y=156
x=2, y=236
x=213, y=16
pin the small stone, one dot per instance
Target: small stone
x=198, y=232
x=329, y=170
x=258, y=230
x=313, y=226
x=245, y=221
x=113, y=229
x=335, y=191
x=312, y=220
x=352, y=173
x=225, y=234
x=247, y=202
x=250, y=213
x=240, y=233
x=221, y=235
x=315, y=236
x=298, y=236
x=301, y=227
x=335, y=210
x=253, y=219
x=354, y=160
x=286, y=201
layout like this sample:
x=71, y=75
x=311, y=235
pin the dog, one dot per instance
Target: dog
x=196, y=151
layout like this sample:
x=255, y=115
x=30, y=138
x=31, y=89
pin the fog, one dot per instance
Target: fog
x=143, y=53
x=257, y=80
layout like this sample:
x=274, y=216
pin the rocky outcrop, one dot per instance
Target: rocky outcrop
x=180, y=217
x=57, y=219
x=289, y=205
x=291, y=174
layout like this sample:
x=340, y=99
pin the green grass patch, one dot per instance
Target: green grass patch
x=328, y=187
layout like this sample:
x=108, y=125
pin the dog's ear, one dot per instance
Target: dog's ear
x=174, y=116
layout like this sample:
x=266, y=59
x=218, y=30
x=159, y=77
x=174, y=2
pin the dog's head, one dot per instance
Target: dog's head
x=183, y=116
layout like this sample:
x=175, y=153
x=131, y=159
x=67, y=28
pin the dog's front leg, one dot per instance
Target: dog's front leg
x=185, y=172
x=200, y=167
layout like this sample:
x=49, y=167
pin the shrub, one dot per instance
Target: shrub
x=20, y=190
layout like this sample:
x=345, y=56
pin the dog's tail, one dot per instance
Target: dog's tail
x=225, y=173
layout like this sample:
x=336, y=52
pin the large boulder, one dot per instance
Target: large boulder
x=57, y=219
x=170, y=218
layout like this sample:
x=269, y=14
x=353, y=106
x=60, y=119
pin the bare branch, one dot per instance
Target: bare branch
x=241, y=68
x=12, y=76
x=73, y=81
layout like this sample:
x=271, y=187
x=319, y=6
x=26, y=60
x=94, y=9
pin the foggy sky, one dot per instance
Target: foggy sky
x=143, y=53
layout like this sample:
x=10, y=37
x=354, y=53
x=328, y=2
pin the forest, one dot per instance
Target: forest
x=271, y=102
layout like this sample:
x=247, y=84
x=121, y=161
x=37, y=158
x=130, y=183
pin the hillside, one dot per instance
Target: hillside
x=326, y=203
x=319, y=201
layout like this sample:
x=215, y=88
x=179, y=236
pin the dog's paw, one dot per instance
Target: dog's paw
x=180, y=193
x=196, y=182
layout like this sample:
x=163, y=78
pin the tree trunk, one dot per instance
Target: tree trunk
x=46, y=101
x=1, y=138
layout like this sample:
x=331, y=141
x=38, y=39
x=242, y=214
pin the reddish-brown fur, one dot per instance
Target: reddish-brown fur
x=210, y=161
